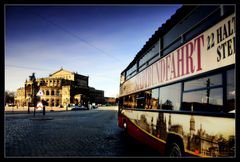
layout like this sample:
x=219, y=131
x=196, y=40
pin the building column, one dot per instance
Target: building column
x=55, y=102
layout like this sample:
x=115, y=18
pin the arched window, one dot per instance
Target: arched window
x=42, y=83
x=52, y=102
x=58, y=93
x=47, y=92
x=52, y=93
x=47, y=102
x=57, y=104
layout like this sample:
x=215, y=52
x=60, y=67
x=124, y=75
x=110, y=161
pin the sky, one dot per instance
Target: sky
x=98, y=41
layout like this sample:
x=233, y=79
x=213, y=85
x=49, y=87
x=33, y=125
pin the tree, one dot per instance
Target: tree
x=168, y=105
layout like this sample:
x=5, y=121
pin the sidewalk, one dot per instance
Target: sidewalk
x=25, y=109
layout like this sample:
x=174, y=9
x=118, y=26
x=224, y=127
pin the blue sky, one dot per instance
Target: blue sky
x=94, y=40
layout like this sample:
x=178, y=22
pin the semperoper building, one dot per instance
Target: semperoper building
x=59, y=89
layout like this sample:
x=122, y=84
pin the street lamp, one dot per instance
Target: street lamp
x=66, y=104
x=28, y=100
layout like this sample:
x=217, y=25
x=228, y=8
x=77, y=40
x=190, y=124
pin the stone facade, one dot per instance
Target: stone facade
x=96, y=96
x=109, y=100
x=59, y=89
x=20, y=97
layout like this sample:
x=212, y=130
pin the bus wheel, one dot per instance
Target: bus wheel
x=174, y=150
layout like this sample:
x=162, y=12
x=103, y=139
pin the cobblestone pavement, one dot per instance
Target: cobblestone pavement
x=87, y=133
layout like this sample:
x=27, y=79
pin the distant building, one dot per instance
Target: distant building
x=59, y=89
x=110, y=101
x=96, y=96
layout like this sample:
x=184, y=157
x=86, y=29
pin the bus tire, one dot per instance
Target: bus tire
x=174, y=150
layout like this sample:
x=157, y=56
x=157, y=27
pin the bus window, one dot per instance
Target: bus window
x=125, y=101
x=148, y=99
x=133, y=102
x=205, y=82
x=131, y=71
x=201, y=101
x=120, y=102
x=154, y=98
x=151, y=99
x=140, y=100
x=170, y=97
x=203, y=94
x=230, y=91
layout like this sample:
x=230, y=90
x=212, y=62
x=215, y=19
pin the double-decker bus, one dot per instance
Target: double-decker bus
x=178, y=93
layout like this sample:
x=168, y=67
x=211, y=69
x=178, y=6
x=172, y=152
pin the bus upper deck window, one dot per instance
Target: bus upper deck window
x=231, y=92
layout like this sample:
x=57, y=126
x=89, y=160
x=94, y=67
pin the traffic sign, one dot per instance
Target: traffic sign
x=40, y=93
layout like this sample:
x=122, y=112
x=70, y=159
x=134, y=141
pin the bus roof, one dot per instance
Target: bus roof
x=169, y=24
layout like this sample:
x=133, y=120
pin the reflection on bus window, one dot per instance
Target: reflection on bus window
x=203, y=100
x=230, y=91
x=147, y=99
x=151, y=99
x=170, y=97
x=129, y=101
x=203, y=82
x=154, y=99
x=203, y=94
x=120, y=101
x=126, y=101
x=140, y=100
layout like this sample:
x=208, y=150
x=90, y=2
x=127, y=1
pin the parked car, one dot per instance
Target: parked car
x=11, y=105
x=39, y=109
x=76, y=107
x=94, y=107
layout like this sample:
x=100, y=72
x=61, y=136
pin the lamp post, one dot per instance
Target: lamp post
x=66, y=104
x=28, y=100
x=34, y=86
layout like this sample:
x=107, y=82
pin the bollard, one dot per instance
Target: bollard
x=43, y=109
x=34, y=111
x=28, y=109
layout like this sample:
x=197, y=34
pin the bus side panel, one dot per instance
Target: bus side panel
x=200, y=135
x=144, y=137
x=120, y=120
